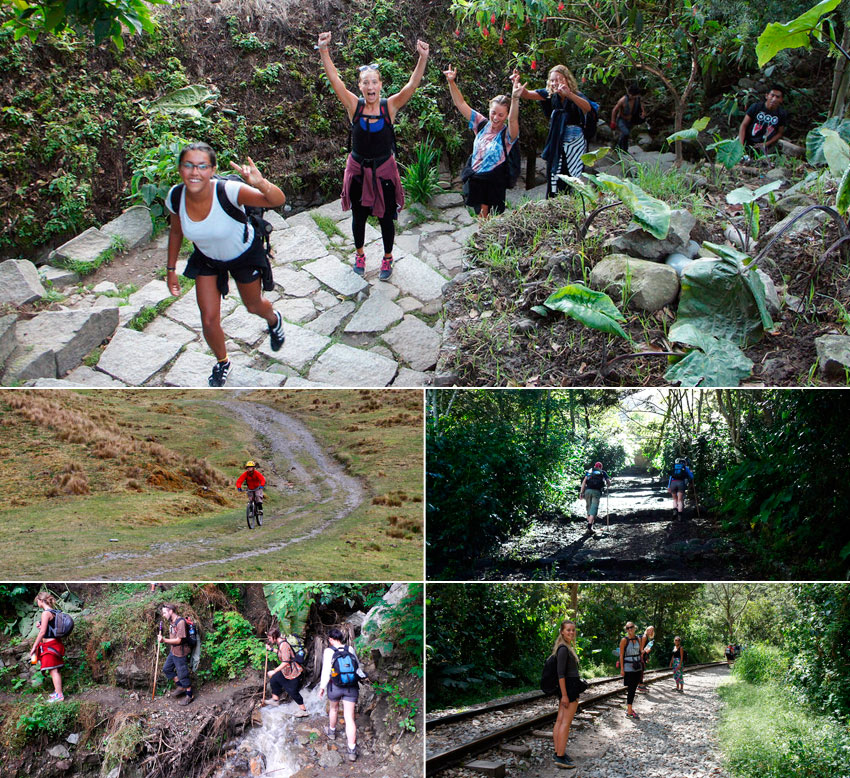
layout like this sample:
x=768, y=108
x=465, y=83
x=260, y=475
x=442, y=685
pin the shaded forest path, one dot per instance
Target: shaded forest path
x=635, y=537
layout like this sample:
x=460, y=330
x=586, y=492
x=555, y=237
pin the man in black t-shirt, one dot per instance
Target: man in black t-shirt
x=764, y=122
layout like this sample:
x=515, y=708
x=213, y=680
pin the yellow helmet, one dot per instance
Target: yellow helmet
x=250, y=463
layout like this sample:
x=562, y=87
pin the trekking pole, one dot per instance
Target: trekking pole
x=608, y=509
x=265, y=677
x=156, y=665
x=696, y=501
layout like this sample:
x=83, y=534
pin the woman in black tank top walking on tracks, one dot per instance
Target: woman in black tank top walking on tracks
x=371, y=184
x=630, y=666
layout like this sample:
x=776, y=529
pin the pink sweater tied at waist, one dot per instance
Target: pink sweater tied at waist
x=373, y=193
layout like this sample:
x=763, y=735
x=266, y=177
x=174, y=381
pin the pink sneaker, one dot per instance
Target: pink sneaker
x=359, y=263
x=386, y=268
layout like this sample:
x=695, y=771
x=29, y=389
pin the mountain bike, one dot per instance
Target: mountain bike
x=254, y=510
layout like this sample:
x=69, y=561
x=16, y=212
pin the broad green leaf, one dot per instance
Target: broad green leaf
x=752, y=213
x=729, y=152
x=835, y=151
x=689, y=134
x=729, y=252
x=814, y=139
x=701, y=124
x=581, y=187
x=778, y=36
x=842, y=198
x=719, y=363
x=183, y=101
x=593, y=309
x=592, y=157
x=744, y=194
x=651, y=214
x=756, y=286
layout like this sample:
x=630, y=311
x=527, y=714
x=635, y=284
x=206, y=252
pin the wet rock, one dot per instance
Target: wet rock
x=678, y=262
x=257, y=765
x=19, y=282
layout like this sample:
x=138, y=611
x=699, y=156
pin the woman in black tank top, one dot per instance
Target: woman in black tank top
x=371, y=183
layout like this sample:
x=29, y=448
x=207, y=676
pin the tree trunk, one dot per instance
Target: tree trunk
x=840, y=79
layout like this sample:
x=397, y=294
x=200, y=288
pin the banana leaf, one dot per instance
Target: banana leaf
x=290, y=604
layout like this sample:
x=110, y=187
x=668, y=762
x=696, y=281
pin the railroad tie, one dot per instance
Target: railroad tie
x=494, y=769
x=519, y=750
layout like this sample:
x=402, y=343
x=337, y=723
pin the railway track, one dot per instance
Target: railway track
x=449, y=743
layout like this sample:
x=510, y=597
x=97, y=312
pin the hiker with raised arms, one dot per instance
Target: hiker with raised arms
x=176, y=667
x=340, y=673
x=594, y=482
x=371, y=185
x=486, y=174
x=210, y=212
x=567, y=110
x=677, y=484
x=630, y=666
x=47, y=647
x=287, y=676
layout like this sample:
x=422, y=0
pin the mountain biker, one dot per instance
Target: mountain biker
x=254, y=483
x=594, y=481
x=677, y=484
x=371, y=185
x=199, y=212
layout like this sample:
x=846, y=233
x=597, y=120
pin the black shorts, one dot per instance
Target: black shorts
x=247, y=267
x=486, y=191
x=575, y=686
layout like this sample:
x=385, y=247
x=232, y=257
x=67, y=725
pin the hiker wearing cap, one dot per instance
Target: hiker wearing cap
x=677, y=484
x=371, y=185
x=176, y=667
x=630, y=665
x=287, y=676
x=340, y=673
x=594, y=481
x=47, y=648
x=254, y=482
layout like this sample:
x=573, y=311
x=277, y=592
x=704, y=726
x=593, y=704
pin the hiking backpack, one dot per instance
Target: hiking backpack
x=631, y=662
x=62, y=624
x=191, y=638
x=549, y=680
x=679, y=471
x=298, y=650
x=344, y=667
x=252, y=214
x=595, y=479
x=634, y=114
x=591, y=121
x=513, y=158
x=384, y=112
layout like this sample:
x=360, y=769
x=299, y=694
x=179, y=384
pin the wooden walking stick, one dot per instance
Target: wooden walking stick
x=265, y=678
x=608, y=508
x=696, y=501
x=156, y=665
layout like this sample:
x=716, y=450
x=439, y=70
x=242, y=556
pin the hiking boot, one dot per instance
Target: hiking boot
x=219, y=373
x=386, y=268
x=331, y=733
x=564, y=762
x=300, y=714
x=178, y=692
x=276, y=333
x=352, y=754
x=359, y=263
x=188, y=700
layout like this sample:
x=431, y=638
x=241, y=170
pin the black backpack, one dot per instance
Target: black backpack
x=385, y=113
x=634, y=115
x=191, y=638
x=549, y=680
x=591, y=120
x=299, y=653
x=595, y=480
x=62, y=624
x=679, y=471
x=252, y=213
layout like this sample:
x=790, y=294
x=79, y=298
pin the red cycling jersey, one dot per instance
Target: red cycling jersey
x=251, y=480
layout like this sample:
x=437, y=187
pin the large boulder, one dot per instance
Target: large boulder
x=636, y=242
x=55, y=342
x=86, y=247
x=133, y=227
x=377, y=615
x=19, y=282
x=130, y=676
x=652, y=285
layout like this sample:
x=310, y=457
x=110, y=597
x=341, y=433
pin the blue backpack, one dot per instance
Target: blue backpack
x=344, y=667
x=679, y=471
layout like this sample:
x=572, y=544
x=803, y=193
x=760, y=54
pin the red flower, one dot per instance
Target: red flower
x=501, y=40
x=560, y=6
x=485, y=32
x=492, y=18
x=534, y=64
x=507, y=26
x=457, y=32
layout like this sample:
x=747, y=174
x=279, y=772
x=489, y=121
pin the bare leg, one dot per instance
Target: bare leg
x=56, y=677
x=252, y=295
x=332, y=713
x=350, y=726
x=209, y=303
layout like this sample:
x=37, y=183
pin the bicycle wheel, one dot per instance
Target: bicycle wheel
x=259, y=515
x=249, y=514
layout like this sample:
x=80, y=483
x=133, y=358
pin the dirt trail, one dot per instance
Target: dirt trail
x=296, y=466
x=635, y=537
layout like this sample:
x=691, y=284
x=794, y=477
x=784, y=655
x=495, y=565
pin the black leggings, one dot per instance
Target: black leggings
x=631, y=681
x=361, y=213
x=280, y=684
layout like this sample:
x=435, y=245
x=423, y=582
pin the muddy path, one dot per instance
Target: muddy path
x=636, y=537
x=307, y=492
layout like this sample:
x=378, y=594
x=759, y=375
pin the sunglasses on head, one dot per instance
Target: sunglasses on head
x=372, y=66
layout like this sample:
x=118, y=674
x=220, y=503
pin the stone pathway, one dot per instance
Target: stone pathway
x=341, y=330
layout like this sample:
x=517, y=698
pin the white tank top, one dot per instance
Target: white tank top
x=218, y=236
